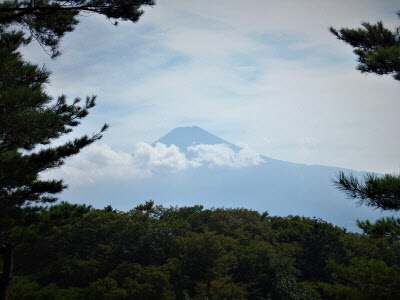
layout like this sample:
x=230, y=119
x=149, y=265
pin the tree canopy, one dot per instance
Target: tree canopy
x=154, y=252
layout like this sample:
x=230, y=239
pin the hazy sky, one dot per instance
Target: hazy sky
x=266, y=74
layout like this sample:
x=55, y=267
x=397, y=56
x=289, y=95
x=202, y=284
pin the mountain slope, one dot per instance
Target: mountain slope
x=279, y=187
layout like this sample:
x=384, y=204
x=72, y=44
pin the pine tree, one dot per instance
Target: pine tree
x=378, y=51
x=30, y=120
x=377, y=48
x=381, y=192
x=48, y=20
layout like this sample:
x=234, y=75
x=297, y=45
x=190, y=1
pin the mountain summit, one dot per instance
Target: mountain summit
x=184, y=137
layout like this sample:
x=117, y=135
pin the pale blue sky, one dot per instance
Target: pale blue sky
x=267, y=74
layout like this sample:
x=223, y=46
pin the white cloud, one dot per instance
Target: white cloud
x=99, y=162
x=265, y=72
x=221, y=155
x=161, y=158
x=96, y=163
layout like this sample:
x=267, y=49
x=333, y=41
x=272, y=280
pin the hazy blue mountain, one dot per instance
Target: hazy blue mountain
x=279, y=187
x=184, y=137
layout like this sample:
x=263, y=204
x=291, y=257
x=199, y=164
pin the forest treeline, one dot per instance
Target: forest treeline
x=71, y=251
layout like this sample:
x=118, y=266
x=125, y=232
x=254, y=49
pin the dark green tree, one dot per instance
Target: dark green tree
x=30, y=120
x=152, y=252
x=381, y=192
x=378, y=51
x=388, y=227
x=377, y=48
x=48, y=20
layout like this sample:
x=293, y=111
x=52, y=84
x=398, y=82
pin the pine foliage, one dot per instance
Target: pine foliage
x=377, y=48
x=378, y=51
x=30, y=120
x=48, y=20
x=381, y=192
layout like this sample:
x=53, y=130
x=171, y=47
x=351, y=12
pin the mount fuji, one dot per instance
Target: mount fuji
x=264, y=184
x=184, y=137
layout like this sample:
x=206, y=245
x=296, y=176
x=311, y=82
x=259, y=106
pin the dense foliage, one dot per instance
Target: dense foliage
x=151, y=252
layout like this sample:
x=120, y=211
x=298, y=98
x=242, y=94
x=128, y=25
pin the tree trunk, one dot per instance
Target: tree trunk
x=5, y=280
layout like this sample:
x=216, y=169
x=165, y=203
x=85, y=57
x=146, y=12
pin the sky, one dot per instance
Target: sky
x=265, y=74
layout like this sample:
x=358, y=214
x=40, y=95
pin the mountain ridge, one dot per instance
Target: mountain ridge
x=279, y=187
x=186, y=136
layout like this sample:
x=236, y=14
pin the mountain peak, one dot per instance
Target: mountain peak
x=184, y=137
